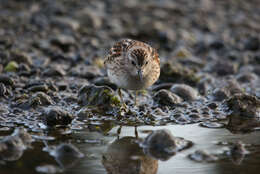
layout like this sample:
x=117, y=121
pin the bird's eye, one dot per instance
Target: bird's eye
x=146, y=62
x=133, y=63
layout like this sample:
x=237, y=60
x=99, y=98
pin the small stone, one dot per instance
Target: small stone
x=186, y=92
x=63, y=41
x=223, y=68
x=228, y=88
x=54, y=71
x=102, y=96
x=104, y=81
x=11, y=67
x=24, y=136
x=217, y=45
x=162, y=86
x=212, y=125
x=244, y=105
x=13, y=146
x=165, y=97
x=6, y=80
x=3, y=90
x=177, y=73
x=161, y=144
x=64, y=151
x=238, y=152
x=40, y=98
x=202, y=156
x=252, y=44
x=56, y=116
x=245, y=113
x=212, y=105
x=247, y=77
x=36, y=88
x=21, y=57
x=182, y=53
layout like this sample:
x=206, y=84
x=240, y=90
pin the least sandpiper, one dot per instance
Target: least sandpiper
x=132, y=65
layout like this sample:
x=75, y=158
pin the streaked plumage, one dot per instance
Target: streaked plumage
x=132, y=65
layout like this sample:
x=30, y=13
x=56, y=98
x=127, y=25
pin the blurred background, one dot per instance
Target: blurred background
x=84, y=30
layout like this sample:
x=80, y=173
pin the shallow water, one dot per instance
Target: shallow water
x=94, y=144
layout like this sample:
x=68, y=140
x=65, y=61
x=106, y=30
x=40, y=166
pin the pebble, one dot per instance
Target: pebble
x=186, y=92
x=166, y=98
x=56, y=116
x=202, y=156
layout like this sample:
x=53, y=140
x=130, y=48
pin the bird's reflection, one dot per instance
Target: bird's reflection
x=125, y=156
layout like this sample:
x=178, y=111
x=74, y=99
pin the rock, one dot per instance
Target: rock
x=67, y=151
x=66, y=155
x=186, y=92
x=252, y=44
x=64, y=42
x=223, y=68
x=66, y=22
x=162, y=86
x=120, y=158
x=104, y=81
x=202, y=156
x=217, y=45
x=3, y=90
x=13, y=146
x=166, y=98
x=237, y=152
x=228, y=88
x=56, y=116
x=24, y=136
x=7, y=80
x=178, y=74
x=42, y=99
x=245, y=113
x=247, y=77
x=101, y=96
x=182, y=52
x=40, y=87
x=244, y=105
x=161, y=144
x=54, y=71
x=21, y=57
x=12, y=66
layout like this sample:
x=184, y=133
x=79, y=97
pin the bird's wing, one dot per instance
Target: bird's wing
x=118, y=50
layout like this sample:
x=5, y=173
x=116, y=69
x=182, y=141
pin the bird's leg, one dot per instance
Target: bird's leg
x=121, y=98
x=136, y=93
x=136, y=132
x=119, y=132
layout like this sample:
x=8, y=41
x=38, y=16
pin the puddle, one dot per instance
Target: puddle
x=93, y=145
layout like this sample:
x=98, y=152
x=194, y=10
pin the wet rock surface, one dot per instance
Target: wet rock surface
x=161, y=144
x=56, y=116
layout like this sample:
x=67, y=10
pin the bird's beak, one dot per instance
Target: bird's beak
x=140, y=74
